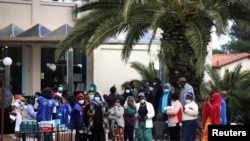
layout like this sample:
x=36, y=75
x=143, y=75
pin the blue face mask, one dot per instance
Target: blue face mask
x=151, y=89
x=21, y=103
x=57, y=104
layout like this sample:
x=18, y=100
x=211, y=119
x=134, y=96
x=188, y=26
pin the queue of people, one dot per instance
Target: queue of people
x=154, y=112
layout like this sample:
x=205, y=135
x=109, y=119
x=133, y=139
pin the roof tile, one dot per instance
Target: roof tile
x=219, y=60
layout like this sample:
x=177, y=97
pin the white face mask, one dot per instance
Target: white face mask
x=154, y=83
x=60, y=88
x=142, y=100
x=91, y=97
x=151, y=89
x=187, y=101
x=127, y=91
x=166, y=90
x=81, y=101
x=97, y=98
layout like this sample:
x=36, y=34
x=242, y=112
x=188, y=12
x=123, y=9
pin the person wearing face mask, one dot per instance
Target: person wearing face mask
x=144, y=123
x=189, y=118
x=164, y=102
x=66, y=108
x=165, y=98
x=76, y=119
x=185, y=88
x=60, y=89
x=127, y=92
x=59, y=110
x=175, y=118
x=157, y=93
x=85, y=104
x=117, y=121
x=129, y=118
x=91, y=92
x=98, y=118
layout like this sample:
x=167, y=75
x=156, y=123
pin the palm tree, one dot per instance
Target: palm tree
x=237, y=84
x=147, y=73
x=185, y=28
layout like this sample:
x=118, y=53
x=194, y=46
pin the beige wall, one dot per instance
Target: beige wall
x=244, y=62
x=108, y=68
x=27, y=13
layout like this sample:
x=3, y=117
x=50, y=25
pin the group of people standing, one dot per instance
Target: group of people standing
x=159, y=113
x=153, y=112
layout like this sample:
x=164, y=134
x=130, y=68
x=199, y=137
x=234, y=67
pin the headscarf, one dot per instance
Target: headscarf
x=94, y=88
x=215, y=109
x=86, y=102
x=164, y=98
x=101, y=101
x=126, y=102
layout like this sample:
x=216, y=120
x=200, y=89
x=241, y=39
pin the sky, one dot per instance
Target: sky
x=218, y=41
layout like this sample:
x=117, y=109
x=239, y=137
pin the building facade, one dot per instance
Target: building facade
x=29, y=33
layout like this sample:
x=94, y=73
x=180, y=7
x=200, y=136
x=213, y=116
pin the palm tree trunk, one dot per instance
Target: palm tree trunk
x=181, y=60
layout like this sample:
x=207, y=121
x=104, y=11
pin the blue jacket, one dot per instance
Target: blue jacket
x=223, y=111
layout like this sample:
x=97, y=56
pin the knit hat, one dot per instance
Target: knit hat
x=141, y=94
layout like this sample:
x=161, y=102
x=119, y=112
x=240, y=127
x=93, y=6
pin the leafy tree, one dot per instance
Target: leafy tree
x=237, y=84
x=240, y=40
x=218, y=51
x=185, y=29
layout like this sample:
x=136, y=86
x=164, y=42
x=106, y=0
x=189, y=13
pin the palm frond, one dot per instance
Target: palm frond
x=195, y=38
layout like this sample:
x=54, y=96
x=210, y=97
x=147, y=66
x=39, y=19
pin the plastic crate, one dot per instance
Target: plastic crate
x=29, y=128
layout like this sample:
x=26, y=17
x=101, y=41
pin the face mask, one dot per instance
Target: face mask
x=21, y=103
x=127, y=91
x=60, y=88
x=166, y=90
x=57, y=104
x=180, y=85
x=91, y=89
x=142, y=101
x=151, y=89
x=81, y=101
x=154, y=83
x=97, y=98
x=187, y=101
x=91, y=97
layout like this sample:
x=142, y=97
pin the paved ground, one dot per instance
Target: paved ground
x=8, y=137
